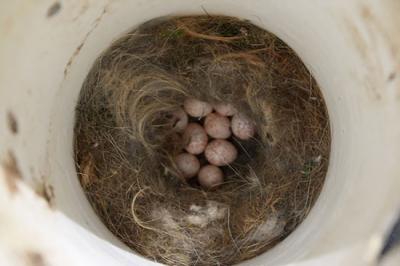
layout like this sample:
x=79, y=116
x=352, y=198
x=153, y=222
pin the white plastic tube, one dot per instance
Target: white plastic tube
x=352, y=48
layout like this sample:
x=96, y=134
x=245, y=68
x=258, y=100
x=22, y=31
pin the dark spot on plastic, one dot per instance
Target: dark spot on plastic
x=12, y=123
x=12, y=172
x=34, y=258
x=392, y=239
x=392, y=76
x=76, y=52
x=53, y=9
x=48, y=194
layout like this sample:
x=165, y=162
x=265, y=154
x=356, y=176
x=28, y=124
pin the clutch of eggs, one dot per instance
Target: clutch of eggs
x=221, y=121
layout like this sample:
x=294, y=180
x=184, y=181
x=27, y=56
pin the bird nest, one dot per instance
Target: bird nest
x=126, y=143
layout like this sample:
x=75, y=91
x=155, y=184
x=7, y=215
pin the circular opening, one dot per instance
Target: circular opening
x=132, y=129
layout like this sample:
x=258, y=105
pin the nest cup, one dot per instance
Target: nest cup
x=125, y=142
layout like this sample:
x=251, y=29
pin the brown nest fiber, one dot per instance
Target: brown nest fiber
x=124, y=142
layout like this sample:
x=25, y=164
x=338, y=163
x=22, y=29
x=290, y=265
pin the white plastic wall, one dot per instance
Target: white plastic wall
x=46, y=49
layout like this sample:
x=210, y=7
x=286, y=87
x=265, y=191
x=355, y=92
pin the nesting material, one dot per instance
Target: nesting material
x=133, y=150
x=180, y=120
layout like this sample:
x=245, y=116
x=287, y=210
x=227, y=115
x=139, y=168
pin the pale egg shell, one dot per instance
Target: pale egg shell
x=180, y=119
x=196, y=108
x=220, y=152
x=242, y=127
x=217, y=126
x=210, y=176
x=195, y=138
x=187, y=164
x=225, y=109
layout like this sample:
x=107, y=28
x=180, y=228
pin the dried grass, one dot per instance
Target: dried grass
x=124, y=142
